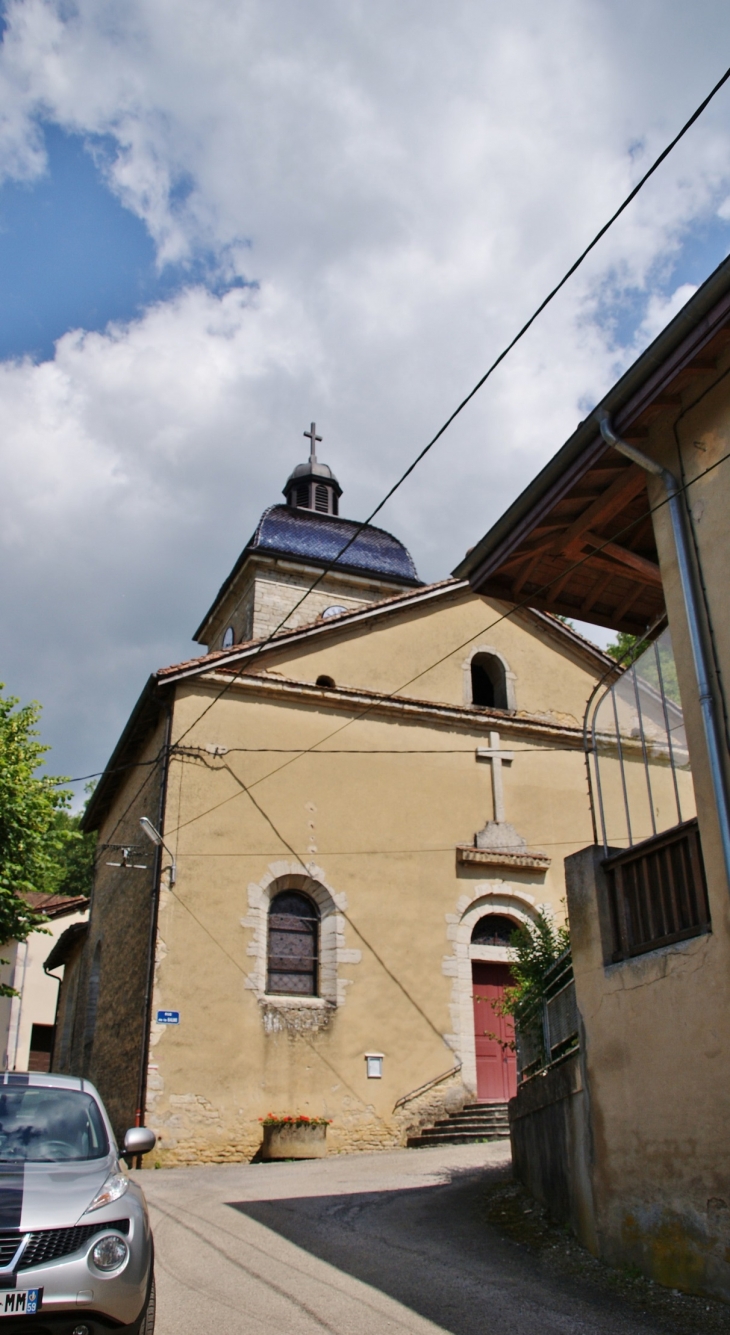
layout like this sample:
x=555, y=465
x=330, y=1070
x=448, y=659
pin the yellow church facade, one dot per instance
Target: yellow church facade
x=354, y=813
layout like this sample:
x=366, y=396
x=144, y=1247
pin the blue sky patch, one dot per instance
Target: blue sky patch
x=621, y=310
x=71, y=255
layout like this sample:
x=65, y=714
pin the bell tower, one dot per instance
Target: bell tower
x=313, y=486
x=275, y=585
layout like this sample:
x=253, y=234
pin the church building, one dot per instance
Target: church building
x=360, y=787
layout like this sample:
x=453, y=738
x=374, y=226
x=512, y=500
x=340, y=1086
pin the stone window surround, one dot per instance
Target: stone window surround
x=332, y=950
x=510, y=677
x=510, y=901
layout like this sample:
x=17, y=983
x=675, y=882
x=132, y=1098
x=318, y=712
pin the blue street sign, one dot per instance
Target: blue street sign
x=168, y=1017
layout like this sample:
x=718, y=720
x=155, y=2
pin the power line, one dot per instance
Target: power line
x=133, y=799
x=195, y=752
x=98, y=774
x=482, y=631
x=296, y=752
x=490, y=370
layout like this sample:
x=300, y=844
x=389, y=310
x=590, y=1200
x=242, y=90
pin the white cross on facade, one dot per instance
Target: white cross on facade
x=498, y=759
x=314, y=440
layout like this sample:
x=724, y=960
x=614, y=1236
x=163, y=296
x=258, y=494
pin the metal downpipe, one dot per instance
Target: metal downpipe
x=691, y=607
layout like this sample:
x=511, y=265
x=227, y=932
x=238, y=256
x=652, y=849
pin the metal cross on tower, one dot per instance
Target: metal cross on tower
x=314, y=440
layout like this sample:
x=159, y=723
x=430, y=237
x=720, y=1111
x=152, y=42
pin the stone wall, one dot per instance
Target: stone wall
x=267, y=589
x=202, y=1136
x=105, y=987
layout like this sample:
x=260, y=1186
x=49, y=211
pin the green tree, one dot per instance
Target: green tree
x=75, y=865
x=634, y=648
x=35, y=827
x=534, y=947
x=628, y=644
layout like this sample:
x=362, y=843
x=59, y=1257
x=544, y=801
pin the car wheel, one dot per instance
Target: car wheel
x=147, y=1324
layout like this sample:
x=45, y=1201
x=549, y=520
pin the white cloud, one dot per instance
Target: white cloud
x=404, y=183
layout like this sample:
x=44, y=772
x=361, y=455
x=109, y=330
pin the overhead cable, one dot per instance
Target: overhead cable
x=483, y=380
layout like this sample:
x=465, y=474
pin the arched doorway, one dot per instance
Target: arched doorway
x=493, y=1033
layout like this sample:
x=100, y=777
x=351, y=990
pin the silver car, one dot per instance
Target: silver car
x=76, y=1251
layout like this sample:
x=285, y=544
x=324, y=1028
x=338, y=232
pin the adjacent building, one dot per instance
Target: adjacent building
x=28, y=1020
x=628, y=1137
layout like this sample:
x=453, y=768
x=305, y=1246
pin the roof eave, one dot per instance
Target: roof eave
x=142, y=717
x=586, y=442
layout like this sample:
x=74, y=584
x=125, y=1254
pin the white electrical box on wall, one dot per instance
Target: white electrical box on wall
x=374, y=1065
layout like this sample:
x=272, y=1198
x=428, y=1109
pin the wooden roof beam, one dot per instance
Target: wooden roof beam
x=596, y=592
x=623, y=490
x=526, y=554
x=649, y=570
x=597, y=561
x=627, y=604
x=522, y=579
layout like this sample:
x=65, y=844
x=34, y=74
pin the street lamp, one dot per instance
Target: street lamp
x=157, y=839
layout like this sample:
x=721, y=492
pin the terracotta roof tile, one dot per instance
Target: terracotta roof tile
x=220, y=655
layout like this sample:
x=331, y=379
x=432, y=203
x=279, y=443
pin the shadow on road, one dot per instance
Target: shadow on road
x=429, y=1248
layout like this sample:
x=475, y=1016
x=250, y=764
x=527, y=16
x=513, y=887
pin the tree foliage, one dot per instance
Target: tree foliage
x=74, y=874
x=634, y=648
x=35, y=826
x=628, y=644
x=534, y=947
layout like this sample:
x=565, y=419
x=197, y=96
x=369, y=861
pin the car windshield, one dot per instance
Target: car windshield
x=42, y=1125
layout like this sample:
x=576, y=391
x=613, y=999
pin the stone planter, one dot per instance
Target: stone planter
x=291, y=1140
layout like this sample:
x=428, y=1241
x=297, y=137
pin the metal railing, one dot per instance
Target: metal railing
x=638, y=760
x=549, y=1029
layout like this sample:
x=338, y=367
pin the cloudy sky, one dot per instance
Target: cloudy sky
x=220, y=221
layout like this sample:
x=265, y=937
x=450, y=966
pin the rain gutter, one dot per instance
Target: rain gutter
x=714, y=737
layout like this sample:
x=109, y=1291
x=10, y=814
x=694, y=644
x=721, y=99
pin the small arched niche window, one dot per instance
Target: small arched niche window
x=488, y=681
x=324, y=680
x=493, y=930
x=293, y=953
x=228, y=638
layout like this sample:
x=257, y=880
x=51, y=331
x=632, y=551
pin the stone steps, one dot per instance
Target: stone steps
x=476, y=1122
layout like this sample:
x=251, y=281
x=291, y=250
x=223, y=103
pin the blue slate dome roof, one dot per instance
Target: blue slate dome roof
x=316, y=537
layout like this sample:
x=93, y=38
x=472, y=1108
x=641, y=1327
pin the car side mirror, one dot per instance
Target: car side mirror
x=138, y=1140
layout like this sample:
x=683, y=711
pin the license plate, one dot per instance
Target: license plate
x=25, y=1301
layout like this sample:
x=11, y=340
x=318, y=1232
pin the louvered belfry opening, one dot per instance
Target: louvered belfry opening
x=313, y=486
x=293, y=953
x=318, y=496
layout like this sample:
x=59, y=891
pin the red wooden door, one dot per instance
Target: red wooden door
x=496, y=1064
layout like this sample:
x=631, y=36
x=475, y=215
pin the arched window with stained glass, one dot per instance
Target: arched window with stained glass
x=293, y=945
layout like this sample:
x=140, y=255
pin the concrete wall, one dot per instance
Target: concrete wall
x=697, y=439
x=551, y=1151
x=656, y=1034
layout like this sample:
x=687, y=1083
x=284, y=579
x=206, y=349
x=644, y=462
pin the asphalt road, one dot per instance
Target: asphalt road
x=366, y=1244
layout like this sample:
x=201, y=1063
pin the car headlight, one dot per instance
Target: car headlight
x=114, y=1187
x=110, y=1252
